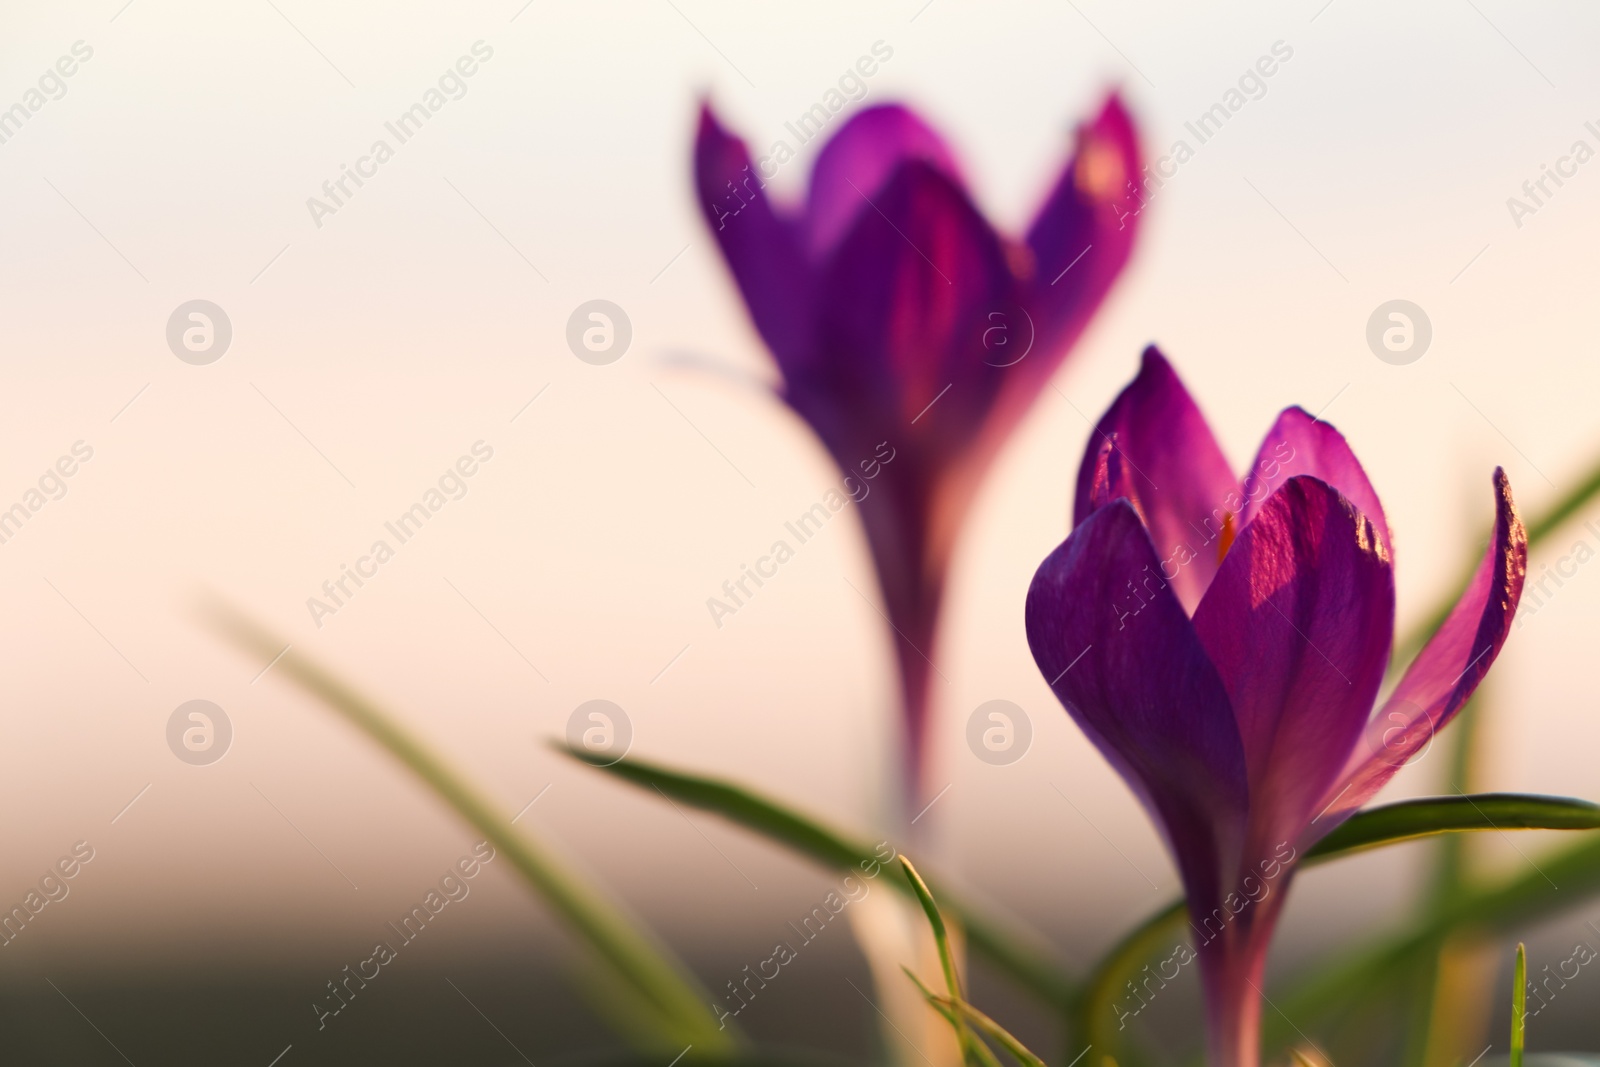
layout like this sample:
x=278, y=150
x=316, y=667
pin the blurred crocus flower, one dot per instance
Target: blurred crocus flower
x=1222, y=643
x=905, y=325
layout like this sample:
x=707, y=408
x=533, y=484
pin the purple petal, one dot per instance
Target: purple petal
x=904, y=303
x=902, y=307
x=761, y=248
x=1446, y=671
x=1074, y=252
x=1084, y=232
x=856, y=164
x=1112, y=478
x=1298, y=623
x=1179, y=479
x=1299, y=444
x=1122, y=656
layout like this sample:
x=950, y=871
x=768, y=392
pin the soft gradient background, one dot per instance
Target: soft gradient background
x=370, y=353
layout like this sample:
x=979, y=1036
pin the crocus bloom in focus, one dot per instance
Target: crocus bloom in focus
x=1222, y=644
x=905, y=325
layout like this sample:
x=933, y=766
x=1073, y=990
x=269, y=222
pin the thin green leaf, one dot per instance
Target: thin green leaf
x=736, y=803
x=974, y=1049
x=941, y=936
x=947, y=960
x=620, y=1006
x=836, y=851
x=632, y=955
x=1408, y=820
x=930, y=996
x=1461, y=750
x=1429, y=989
x=999, y=1034
x=1447, y=994
x=1519, y=1005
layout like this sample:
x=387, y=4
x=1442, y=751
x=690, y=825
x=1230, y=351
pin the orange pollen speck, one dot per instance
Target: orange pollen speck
x=1098, y=172
x=1020, y=258
x=1228, y=534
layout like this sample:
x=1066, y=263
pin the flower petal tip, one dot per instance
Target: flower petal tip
x=1512, y=534
x=860, y=161
x=1115, y=120
x=1153, y=361
x=708, y=126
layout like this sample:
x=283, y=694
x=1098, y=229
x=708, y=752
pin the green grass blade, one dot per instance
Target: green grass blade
x=837, y=851
x=934, y=1000
x=1408, y=820
x=737, y=804
x=941, y=936
x=1446, y=994
x=976, y=1049
x=957, y=1012
x=1519, y=1005
x=1461, y=749
x=947, y=961
x=631, y=954
x=999, y=1034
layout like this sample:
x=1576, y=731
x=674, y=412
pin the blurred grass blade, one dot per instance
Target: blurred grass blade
x=1408, y=820
x=1462, y=749
x=737, y=804
x=1388, y=824
x=677, y=1004
x=1519, y=1004
x=621, y=1007
x=1455, y=980
x=810, y=838
x=1092, y=1015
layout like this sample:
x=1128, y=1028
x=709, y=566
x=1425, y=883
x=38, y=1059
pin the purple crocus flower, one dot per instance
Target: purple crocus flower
x=1222, y=643
x=906, y=326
